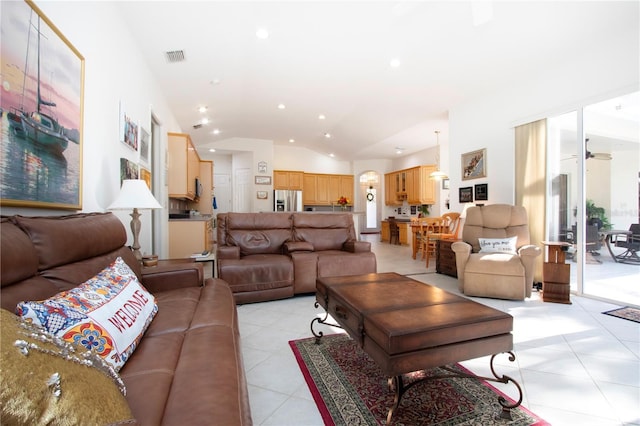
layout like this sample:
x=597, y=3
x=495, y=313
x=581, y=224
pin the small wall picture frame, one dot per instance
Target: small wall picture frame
x=261, y=195
x=474, y=164
x=445, y=183
x=263, y=180
x=466, y=194
x=262, y=167
x=481, y=192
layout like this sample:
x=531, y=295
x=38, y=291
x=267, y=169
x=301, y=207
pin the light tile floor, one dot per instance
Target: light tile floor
x=576, y=366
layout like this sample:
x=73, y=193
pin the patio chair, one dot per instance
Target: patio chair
x=631, y=243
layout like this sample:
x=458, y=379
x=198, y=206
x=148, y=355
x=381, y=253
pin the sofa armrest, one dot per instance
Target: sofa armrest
x=294, y=246
x=228, y=252
x=172, y=274
x=529, y=250
x=357, y=246
x=462, y=251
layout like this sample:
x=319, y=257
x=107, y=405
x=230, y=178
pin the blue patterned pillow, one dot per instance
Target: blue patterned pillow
x=108, y=314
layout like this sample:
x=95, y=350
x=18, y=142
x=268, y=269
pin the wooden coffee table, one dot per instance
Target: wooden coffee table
x=405, y=325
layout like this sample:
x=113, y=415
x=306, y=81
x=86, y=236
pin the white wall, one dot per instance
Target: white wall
x=298, y=158
x=113, y=73
x=589, y=74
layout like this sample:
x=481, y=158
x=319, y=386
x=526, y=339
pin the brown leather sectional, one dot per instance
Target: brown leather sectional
x=268, y=256
x=188, y=367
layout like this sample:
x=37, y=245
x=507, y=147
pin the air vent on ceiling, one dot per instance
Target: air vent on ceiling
x=197, y=126
x=175, y=56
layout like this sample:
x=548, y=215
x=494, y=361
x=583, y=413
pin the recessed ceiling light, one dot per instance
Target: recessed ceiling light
x=292, y=140
x=394, y=63
x=212, y=150
x=331, y=154
x=327, y=135
x=321, y=117
x=216, y=131
x=202, y=109
x=215, y=81
x=281, y=106
x=262, y=33
x=205, y=120
x=399, y=150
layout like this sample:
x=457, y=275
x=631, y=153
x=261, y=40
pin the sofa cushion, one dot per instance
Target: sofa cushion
x=495, y=264
x=325, y=231
x=498, y=245
x=258, y=233
x=28, y=382
x=108, y=313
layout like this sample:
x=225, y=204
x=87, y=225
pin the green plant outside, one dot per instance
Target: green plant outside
x=594, y=211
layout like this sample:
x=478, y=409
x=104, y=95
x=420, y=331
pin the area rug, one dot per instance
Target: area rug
x=349, y=389
x=628, y=313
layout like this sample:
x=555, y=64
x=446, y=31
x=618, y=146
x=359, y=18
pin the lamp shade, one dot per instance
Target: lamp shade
x=438, y=175
x=134, y=193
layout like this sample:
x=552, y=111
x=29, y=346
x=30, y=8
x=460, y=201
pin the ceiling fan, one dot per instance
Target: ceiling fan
x=591, y=155
x=595, y=155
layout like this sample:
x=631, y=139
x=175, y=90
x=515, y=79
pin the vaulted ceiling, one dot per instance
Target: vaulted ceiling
x=334, y=59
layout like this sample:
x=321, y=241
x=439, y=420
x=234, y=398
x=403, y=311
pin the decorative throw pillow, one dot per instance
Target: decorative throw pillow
x=108, y=314
x=48, y=381
x=498, y=245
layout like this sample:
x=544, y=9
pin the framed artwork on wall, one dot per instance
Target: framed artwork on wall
x=262, y=195
x=474, y=164
x=41, y=164
x=263, y=180
x=445, y=183
x=145, y=146
x=466, y=194
x=481, y=192
x=262, y=167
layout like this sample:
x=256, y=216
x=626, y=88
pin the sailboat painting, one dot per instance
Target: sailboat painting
x=42, y=112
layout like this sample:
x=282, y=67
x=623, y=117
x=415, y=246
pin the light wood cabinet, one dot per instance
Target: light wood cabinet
x=205, y=201
x=403, y=228
x=309, y=189
x=413, y=185
x=286, y=179
x=187, y=237
x=183, y=165
x=326, y=189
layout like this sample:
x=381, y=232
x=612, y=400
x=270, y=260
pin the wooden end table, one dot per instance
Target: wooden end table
x=556, y=273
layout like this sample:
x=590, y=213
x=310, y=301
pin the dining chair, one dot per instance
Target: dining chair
x=394, y=231
x=428, y=227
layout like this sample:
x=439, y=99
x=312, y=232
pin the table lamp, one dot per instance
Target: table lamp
x=134, y=194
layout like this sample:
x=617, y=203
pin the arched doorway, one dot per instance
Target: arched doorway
x=368, y=192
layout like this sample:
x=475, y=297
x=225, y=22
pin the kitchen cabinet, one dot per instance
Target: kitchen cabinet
x=326, y=189
x=189, y=236
x=183, y=165
x=403, y=227
x=205, y=201
x=285, y=179
x=413, y=185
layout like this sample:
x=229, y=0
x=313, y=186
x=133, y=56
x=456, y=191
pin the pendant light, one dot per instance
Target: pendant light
x=437, y=174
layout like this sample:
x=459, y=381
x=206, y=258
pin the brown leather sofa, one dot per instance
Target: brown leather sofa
x=268, y=256
x=187, y=369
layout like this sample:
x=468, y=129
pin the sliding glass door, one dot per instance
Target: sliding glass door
x=593, y=172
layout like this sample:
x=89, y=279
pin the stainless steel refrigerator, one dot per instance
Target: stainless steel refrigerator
x=287, y=200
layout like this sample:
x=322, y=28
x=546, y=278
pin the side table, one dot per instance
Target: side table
x=556, y=273
x=446, y=258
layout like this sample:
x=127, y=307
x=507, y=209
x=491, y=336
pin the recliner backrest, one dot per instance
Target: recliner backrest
x=496, y=221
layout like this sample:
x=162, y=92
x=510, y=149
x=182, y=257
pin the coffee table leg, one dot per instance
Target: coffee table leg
x=397, y=385
x=322, y=320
